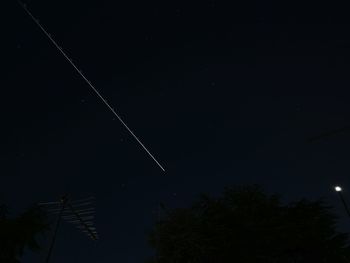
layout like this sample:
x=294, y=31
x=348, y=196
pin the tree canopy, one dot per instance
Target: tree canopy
x=19, y=233
x=247, y=225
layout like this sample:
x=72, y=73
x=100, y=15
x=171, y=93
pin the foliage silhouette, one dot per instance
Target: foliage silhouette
x=247, y=225
x=17, y=234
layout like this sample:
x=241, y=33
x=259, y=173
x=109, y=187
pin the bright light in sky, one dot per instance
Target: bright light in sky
x=338, y=188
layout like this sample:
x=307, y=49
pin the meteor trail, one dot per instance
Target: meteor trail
x=90, y=84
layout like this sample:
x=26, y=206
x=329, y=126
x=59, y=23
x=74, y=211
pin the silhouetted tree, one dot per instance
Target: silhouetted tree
x=19, y=233
x=246, y=225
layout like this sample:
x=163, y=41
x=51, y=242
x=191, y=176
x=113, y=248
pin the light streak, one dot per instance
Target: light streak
x=91, y=85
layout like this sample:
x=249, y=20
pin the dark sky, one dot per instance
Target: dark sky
x=222, y=93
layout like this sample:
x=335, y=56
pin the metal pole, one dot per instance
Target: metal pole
x=64, y=200
x=344, y=203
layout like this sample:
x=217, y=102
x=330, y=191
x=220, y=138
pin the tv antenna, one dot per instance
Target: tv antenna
x=80, y=213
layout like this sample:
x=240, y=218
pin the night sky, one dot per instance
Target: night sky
x=221, y=92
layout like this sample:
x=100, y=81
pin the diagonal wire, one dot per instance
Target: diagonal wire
x=329, y=134
x=91, y=85
x=82, y=222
